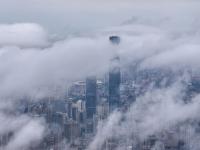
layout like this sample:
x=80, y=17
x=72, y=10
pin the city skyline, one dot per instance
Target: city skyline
x=99, y=75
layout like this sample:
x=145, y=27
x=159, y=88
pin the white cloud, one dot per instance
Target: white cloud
x=157, y=111
x=155, y=37
x=29, y=70
x=29, y=135
x=23, y=35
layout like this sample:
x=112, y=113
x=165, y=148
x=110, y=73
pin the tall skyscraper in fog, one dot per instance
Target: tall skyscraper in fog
x=91, y=96
x=114, y=78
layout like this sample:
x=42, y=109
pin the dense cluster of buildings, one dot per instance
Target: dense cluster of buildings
x=72, y=119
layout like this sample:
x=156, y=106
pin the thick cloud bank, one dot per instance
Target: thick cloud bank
x=24, y=71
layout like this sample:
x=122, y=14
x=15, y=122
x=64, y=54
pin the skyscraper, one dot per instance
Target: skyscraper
x=91, y=96
x=114, y=78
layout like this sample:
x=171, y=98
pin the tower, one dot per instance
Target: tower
x=91, y=96
x=114, y=78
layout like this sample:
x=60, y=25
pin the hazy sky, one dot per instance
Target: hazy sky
x=67, y=16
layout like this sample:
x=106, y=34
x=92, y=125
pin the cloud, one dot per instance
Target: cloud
x=29, y=135
x=105, y=131
x=23, y=130
x=156, y=112
x=187, y=55
x=23, y=35
x=28, y=67
x=32, y=70
x=11, y=123
x=155, y=37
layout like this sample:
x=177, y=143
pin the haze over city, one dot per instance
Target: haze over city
x=99, y=75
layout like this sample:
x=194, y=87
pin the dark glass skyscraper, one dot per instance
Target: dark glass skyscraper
x=91, y=96
x=114, y=85
x=114, y=78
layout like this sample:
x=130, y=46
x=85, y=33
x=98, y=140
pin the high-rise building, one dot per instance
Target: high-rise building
x=71, y=130
x=114, y=78
x=91, y=96
x=75, y=115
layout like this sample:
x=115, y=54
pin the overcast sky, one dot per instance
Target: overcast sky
x=67, y=16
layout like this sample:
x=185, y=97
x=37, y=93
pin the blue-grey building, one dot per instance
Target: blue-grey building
x=114, y=78
x=91, y=96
